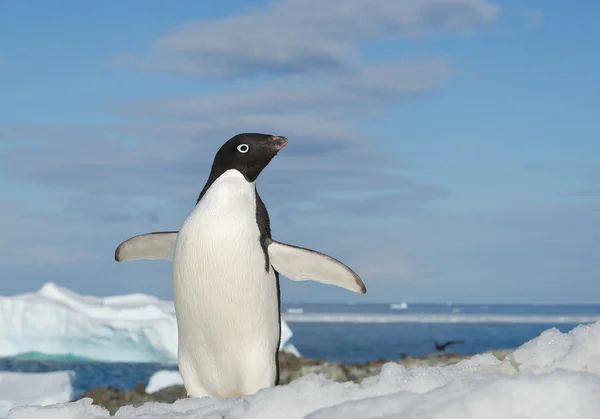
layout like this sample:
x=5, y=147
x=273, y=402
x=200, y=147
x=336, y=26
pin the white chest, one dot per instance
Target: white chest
x=219, y=271
x=220, y=237
x=226, y=302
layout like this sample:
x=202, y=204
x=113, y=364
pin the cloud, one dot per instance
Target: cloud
x=320, y=119
x=348, y=95
x=303, y=36
x=333, y=188
x=317, y=112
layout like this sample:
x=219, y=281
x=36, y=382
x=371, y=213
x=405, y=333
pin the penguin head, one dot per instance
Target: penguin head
x=248, y=153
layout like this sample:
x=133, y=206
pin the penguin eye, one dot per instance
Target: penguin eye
x=243, y=148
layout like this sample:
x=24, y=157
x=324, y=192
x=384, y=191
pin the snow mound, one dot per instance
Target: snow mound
x=127, y=328
x=162, y=379
x=555, y=376
x=22, y=389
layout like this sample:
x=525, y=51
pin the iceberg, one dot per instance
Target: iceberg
x=41, y=389
x=56, y=321
x=554, y=376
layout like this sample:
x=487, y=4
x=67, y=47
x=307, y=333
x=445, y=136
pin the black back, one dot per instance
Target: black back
x=264, y=226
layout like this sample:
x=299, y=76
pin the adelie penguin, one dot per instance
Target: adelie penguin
x=226, y=275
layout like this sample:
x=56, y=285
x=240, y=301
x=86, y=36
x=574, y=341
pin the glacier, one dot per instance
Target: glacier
x=554, y=376
x=56, y=321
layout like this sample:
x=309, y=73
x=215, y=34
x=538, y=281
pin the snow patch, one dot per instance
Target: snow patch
x=22, y=389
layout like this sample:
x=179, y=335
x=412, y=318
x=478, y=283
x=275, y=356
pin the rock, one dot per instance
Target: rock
x=112, y=398
x=170, y=394
x=291, y=368
x=140, y=388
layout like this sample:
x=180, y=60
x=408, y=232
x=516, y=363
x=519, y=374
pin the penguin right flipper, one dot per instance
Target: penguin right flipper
x=300, y=264
x=158, y=245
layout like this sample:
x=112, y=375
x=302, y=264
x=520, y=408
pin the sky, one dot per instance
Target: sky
x=446, y=150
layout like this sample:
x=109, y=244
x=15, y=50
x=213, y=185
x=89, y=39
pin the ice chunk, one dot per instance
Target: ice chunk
x=21, y=389
x=577, y=350
x=555, y=376
x=128, y=328
x=162, y=379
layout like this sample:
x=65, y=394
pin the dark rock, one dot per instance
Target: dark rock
x=112, y=398
x=170, y=394
x=140, y=388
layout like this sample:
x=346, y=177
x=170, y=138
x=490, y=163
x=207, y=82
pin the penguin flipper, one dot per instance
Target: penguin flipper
x=158, y=245
x=300, y=264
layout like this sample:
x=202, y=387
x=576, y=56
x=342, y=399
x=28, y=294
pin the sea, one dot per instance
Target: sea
x=358, y=333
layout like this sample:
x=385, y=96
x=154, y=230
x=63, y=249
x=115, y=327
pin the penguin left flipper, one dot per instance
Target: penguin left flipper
x=300, y=264
x=158, y=245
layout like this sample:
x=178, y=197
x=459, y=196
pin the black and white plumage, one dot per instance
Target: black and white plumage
x=226, y=271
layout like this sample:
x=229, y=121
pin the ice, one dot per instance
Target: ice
x=296, y=310
x=555, y=376
x=21, y=389
x=162, y=379
x=126, y=328
x=435, y=318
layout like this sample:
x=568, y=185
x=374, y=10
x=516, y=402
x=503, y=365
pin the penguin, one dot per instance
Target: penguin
x=226, y=270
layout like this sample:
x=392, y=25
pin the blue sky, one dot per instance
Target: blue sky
x=447, y=151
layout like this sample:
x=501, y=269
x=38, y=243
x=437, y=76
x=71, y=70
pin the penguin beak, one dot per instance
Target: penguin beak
x=279, y=142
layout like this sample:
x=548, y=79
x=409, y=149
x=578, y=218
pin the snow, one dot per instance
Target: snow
x=127, y=328
x=162, y=379
x=20, y=389
x=555, y=376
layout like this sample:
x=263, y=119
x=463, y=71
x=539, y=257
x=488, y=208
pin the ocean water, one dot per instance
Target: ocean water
x=356, y=333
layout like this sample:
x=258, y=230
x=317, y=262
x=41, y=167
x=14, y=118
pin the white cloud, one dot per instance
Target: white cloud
x=341, y=97
x=121, y=188
x=320, y=122
x=303, y=36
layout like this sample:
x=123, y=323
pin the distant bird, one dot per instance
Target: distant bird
x=442, y=346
